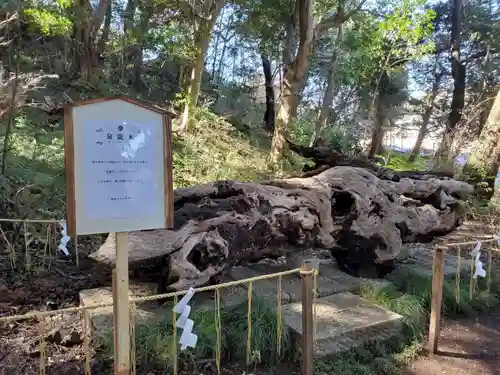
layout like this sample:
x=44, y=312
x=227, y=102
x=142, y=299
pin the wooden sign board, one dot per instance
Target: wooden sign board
x=118, y=155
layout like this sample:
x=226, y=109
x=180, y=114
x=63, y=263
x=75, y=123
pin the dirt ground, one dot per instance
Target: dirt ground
x=468, y=346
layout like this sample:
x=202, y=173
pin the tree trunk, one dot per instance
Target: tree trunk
x=426, y=117
x=86, y=29
x=378, y=128
x=446, y=150
x=295, y=69
x=88, y=23
x=286, y=112
x=141, y=31
x=361, y=219
x=483, y=161
x=202, y=39
x=422, y=132
x=269, y=115
x=324, y=114
x=13, y=104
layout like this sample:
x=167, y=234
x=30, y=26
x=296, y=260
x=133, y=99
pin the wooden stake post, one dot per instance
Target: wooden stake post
x=306, y=272
x=118, y=158
x=437, y=298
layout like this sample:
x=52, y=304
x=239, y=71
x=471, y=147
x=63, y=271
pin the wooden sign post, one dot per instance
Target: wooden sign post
x=118, y=156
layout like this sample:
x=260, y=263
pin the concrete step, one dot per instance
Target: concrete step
x=343, y=321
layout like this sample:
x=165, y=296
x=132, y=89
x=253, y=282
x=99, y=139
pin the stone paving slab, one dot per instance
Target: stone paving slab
x=101, y=320
x=420, y=261
x=263, y=288
x=343, y=321
x=330, y=280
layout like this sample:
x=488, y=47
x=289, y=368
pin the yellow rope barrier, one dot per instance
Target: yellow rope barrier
x=174, y=339
x=149, y=298
x=466, y=243
x=30, y=221
x=279, y=317
x=249, y=324
x=218, y=330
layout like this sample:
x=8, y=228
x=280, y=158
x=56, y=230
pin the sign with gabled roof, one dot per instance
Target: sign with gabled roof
x=118, y=156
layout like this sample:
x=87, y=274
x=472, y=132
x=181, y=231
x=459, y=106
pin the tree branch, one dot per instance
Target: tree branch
x=9, y=20
x=336, y=19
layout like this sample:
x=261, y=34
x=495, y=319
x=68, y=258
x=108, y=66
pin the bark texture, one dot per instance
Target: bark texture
x=361, y=219
x=484, y=159
x=449, y=144
x=426, y=116
x=203, y=31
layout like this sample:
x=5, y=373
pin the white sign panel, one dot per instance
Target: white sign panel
x=119, y=169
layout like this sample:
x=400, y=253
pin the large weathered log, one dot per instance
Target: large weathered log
x=362, y=219
x=324, y=158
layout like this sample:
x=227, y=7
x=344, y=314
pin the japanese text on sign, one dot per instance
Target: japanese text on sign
x=119, y=170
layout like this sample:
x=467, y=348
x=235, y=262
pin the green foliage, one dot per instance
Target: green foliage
x=215, y=150
x=174, y=38
x=264, y=21
x=155, y=340
x=385, y=45
x=409, y=296
x=51, y=19
x=337, y=137
x=399, y=161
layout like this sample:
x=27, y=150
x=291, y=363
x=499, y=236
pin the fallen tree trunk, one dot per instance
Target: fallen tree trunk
x=361, y=219
x=324, y=158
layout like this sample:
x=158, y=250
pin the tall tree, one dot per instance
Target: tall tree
x=484, y=159
x=444, y=155
x=296, y=64
x=88, y=37
x=428, y=105
x=203, y=20
x=329, y=92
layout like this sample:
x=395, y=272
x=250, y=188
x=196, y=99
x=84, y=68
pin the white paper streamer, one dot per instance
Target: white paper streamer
x=64, y=239
x=476, y=249
x=188, y=339
x=478, y=266
x=497, y=237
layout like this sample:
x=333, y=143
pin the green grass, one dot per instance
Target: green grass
x=398, y=161
x=155, y=341
x=409, y=296
x=214, y=150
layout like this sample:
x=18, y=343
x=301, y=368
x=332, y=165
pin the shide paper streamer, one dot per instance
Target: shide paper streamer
x=187, y=338
x=64, y=239
x=478, y=265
